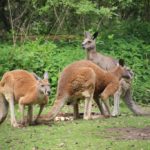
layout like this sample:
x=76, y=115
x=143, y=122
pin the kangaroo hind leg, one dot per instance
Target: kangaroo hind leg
x=116, y=110
x=88, y=108
x=10, y=99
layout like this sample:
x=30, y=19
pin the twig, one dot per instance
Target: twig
x=11, y=22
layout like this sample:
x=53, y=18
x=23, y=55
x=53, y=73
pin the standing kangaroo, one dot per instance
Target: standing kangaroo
x=85, y=80
x=20, y=86
x=109, y=63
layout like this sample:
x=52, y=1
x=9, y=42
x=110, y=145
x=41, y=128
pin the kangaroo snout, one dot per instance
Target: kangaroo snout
x=83, y=45
x=48, y=93
x=45, y=92
x=128, y=74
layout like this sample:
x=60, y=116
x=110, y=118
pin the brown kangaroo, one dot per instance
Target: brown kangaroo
x=20, y=86
x=109, y=63
x=85, y=80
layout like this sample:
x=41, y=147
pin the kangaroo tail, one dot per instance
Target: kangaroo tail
x=58, y=104
x=132, y=105
x=3, y=108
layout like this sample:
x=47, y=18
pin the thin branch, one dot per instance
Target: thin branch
x=11, y=22
x=55, y=12
x=61, y=23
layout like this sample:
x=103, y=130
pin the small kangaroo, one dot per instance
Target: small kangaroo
x=20, y=86
x=109, y=63
x=85, y=80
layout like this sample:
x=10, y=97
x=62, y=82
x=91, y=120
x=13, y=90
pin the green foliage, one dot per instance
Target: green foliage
x=47, y=17
x=85, y=7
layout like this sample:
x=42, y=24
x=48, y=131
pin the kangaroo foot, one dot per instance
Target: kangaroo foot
x=87, y=117
x=115, y=114
x=17, y=125
x=107, y=116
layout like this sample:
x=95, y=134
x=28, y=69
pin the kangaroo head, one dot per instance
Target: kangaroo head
x=89, y=41
x=124, y=71
x=44, y=85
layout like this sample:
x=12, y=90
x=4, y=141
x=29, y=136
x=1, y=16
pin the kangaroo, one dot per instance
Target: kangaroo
x=109, y=63
x=85, y=80
x=24, y=88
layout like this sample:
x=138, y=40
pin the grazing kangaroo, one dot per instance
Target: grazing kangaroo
x=85, y=80
x=20, y=86
x=109, y=63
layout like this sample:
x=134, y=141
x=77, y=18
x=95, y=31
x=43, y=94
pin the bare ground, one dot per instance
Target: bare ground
x=129, y=133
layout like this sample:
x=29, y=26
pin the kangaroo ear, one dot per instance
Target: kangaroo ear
x=36, y=76
x=46, y=75
x=121, y=62
x=95, y=35
x=87, y=35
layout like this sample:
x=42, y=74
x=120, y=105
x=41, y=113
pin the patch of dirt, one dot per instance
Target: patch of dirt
x=129, y=133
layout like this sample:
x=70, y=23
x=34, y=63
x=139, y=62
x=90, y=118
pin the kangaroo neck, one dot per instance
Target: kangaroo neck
x=90, y=53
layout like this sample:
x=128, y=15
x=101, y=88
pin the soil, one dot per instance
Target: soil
x=129, y=133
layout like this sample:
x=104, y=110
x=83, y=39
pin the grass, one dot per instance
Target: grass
x=74, y=135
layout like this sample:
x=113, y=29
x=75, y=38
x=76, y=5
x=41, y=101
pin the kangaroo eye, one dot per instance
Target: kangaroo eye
x=89, y=42
x=42, y=85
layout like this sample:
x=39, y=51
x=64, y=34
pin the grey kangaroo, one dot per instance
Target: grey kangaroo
x=109, y=63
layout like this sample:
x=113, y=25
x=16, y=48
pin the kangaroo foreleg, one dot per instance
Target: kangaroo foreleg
x=40, y=111
x=109, y=90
